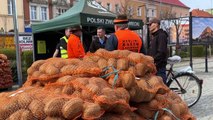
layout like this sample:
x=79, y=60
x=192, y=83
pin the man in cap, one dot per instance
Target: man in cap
x=75, y=47
x=158, y=47
x=123, y=38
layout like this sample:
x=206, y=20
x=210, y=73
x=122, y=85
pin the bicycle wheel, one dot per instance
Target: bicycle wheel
x=187, y=86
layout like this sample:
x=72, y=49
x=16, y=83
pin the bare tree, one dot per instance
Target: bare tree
x=170, y=19
x=126, y=8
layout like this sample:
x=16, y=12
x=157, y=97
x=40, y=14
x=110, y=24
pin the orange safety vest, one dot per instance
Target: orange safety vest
x=75, y=48
x=128, y=40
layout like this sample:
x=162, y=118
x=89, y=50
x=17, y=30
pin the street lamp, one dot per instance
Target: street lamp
x=147, y=37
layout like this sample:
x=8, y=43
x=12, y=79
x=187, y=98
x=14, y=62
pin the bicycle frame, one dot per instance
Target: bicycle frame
x=170, y=76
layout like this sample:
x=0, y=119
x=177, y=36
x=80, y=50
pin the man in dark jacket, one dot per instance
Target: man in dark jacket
x=99, y=41
x=158, y=47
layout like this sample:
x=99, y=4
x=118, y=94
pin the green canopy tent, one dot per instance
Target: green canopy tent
x=87, y=13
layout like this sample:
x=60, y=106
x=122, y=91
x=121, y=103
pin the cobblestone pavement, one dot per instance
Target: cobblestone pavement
x=203, y=109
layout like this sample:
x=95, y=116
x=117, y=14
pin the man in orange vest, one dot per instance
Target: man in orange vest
x=75, y=47
x=123, y=38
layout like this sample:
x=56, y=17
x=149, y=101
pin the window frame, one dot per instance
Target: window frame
x=10, y=7
x=109, y=6
x=139, y=11
x=38, y=12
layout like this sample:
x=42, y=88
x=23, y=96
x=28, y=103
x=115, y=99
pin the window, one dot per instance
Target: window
x=130, y=10
x=60, y=11
x=38, y=12
x=153, y=13
x=10, y=7
x=117, y=8
x=33, y=12
x=139, y=11
x=43, y=13
x=108, y=6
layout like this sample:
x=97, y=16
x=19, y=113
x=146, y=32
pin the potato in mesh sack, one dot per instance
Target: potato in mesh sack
x=37, y=109
x=8, y=107
x=21, y=114
x=92, y=111
x=3, y=57
x=54, y=106
x=73, y=108
x=78, y=91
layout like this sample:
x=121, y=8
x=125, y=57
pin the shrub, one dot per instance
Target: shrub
x=184, y=54
x=198, y=51
x=27, y=60
x=10, y=53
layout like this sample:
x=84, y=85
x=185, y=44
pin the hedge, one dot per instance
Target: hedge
x=26, y=61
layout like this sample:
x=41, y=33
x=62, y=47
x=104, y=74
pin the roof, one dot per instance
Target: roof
x=207, y=32
x=173, y=2
x=200, y=13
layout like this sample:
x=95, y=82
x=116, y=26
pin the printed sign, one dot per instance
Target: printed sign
x=25, y=43
x=7, y=42
x=99, y=20
x=41, y=45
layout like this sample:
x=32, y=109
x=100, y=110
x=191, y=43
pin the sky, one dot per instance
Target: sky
x=201, y=4
x=199, y=24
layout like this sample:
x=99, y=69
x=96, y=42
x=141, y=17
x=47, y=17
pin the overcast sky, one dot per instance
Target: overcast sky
x=201, y=4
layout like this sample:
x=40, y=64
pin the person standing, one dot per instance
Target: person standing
x=158, y=47
x=99, y=41
x=123, y=38
x=75, y=47
x=63, y=43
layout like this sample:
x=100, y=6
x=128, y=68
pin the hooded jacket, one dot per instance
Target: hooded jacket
x=158, y=48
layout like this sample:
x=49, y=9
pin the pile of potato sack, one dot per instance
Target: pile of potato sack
x=116, y=85
x=6, y=80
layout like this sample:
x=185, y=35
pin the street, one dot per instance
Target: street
x=203, y=109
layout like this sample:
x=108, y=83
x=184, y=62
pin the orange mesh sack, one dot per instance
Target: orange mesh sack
x=104, y=53
x=122, y=64
x=127, y=80
x=157, y=85
x=135, y=57
x=90, y=57
x=73, y=108
x=123, y=53
x=6, y=80
x=21, y=114
x=141, y=69
x=102, y=63
x=8, y=107
x=92, y=111
x=112, y=62
x=37, y=109
x=48, y=72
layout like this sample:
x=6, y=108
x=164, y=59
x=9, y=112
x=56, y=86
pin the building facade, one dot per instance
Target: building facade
x=42, y=10
x=147, y=9
x=6, y=16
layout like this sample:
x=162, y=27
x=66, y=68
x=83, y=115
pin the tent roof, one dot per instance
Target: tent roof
x=85, y=13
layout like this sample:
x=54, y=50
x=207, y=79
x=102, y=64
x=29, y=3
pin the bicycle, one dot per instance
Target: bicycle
x=184, y=82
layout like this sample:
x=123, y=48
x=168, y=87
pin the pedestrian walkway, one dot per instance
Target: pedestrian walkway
x=203, y=110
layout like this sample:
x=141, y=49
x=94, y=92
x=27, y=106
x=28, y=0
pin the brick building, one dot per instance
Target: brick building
x=42, y=10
